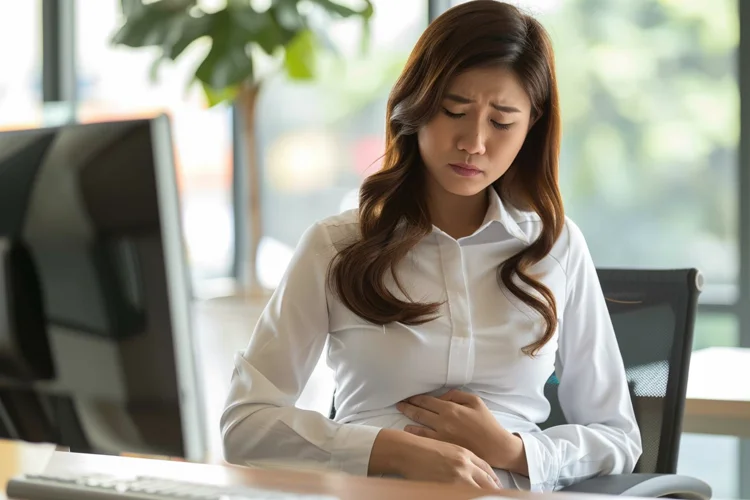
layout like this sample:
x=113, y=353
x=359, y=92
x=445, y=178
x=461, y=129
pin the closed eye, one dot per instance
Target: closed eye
x=497, y=125
x=453, y=115
x=501, y=126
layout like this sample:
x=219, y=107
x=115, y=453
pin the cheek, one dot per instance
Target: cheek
x=518, y=139
x=431, y=139
x=506, y=150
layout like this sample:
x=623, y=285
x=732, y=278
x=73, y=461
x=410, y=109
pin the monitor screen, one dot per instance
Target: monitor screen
x=96, y=206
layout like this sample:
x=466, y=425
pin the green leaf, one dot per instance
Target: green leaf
x=147, y=25
x=288, y=16
x=251, y=20
x=173, y=25
x=224, y=68
x=273, y=35
x=259, y=27
x=300, y=58
x=130, y=7
x=183, y=32
x=269, y=40
x=336, y=8
x=140, y=30
x=215, y=97
x=227, y=63
x=368, y=12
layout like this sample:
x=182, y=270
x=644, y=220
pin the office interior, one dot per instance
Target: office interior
x=654, y=169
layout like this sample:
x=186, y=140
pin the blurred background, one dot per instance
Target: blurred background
x=651, y=158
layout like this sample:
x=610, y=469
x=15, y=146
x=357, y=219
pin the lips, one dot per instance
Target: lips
x=465, y=166
x=465, y=169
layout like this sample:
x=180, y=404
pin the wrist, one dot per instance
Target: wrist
x=509, y=454
x=389, y=452
x=518, y=463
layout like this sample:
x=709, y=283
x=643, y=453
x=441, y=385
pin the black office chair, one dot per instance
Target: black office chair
x=653, y=313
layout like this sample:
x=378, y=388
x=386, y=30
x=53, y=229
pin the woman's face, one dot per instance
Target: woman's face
x=477, y=133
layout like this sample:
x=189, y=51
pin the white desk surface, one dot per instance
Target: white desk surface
x=718, y=393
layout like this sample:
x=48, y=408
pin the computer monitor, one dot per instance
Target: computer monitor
x=92, y=212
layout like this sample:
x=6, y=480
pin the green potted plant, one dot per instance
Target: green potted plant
x=243, y=38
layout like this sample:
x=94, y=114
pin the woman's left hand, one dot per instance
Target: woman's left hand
x=463, y=419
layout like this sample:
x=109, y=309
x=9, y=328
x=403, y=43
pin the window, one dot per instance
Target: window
x=21, y=77
x=650, y=103
x=720, y=467
x=114, y=83
x=716, y=330
x=318, y=140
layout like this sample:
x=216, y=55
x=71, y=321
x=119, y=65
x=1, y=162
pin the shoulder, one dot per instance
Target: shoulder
x=570, y=246
x=335, y=232
x=346, y=218
x=571, y=237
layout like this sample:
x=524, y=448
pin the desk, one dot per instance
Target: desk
x=718, y=393
x=16, y=458
x=339, y=485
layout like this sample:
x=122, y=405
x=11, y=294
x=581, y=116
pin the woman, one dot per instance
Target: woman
x=451, y=295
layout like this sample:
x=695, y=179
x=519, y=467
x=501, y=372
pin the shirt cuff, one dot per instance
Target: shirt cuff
x=352, y=446
x=541, y=464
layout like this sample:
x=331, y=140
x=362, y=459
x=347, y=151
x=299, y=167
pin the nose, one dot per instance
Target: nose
x=471, y=139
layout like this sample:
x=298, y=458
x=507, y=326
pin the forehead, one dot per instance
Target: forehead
x=494, y=83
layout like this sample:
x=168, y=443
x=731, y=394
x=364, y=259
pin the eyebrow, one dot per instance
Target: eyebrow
x=466, y=100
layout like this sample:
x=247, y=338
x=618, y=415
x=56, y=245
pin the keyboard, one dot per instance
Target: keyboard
x=101, y=487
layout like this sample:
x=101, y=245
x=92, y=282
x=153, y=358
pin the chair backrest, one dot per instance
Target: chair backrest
x=653, y=312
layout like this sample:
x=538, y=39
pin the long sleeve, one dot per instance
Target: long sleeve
x=602, y=436
x=260, y=424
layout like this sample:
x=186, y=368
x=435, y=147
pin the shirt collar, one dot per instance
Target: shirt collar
x=505, y=214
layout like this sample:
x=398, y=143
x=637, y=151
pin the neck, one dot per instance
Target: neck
x=456, y=215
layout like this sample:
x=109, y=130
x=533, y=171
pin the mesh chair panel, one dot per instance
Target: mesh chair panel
x=653, y=314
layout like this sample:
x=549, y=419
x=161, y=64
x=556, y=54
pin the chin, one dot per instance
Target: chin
x=467, y=189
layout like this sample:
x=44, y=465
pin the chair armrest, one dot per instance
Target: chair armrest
x=645, y=485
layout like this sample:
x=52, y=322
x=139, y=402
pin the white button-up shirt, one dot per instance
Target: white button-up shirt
x=474, y=345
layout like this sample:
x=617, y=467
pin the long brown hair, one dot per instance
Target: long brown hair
x=393, y=215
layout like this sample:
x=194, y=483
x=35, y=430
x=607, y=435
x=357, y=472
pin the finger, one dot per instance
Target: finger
x=431, y=403
x=486, y=470
x=485, y=480
x=462, y=398
x=419, y=415
x=421, y=431
x=473, y=482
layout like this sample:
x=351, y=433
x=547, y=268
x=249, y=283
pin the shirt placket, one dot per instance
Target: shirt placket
x=460, y=357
